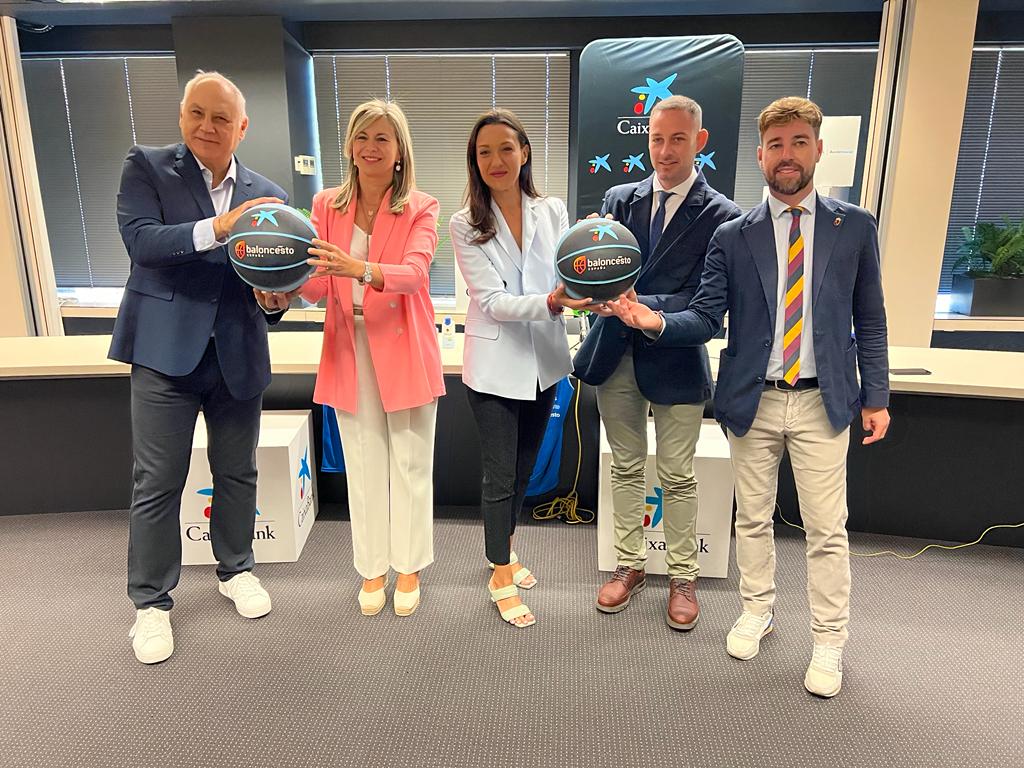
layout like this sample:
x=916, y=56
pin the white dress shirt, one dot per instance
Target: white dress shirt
x=782, y=221
x=203, y=236
x=679, y=193
x=359, y=249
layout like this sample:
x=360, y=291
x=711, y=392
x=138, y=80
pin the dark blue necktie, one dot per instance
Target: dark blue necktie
x=658, y=221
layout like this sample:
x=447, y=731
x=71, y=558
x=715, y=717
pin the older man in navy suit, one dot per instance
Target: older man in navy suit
x=196, y=338
x=673, y=215
x=795, y=274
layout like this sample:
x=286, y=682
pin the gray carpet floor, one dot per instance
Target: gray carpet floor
x=933, y=673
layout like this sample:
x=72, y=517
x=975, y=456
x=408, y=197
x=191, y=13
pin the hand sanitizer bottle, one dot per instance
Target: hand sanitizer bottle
x=447, y=333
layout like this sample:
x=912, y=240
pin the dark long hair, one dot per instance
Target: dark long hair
x=478, y=194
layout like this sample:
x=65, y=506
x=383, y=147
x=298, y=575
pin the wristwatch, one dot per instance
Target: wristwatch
x=367, y=277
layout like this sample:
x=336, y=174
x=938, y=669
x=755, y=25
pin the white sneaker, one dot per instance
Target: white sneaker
x=744, y=639
x=151, y=636
x=825, y=674
x=251, y=600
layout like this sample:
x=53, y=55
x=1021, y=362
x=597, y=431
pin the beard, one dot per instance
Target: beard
x=788, y=186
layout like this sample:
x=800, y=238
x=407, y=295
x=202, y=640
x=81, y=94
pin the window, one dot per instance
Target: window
x=442, y=95
x=840, y=81
x=87, y=111
x=85, y=114
x=990, y=163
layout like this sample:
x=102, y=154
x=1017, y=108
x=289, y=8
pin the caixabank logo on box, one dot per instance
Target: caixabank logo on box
x=200, y=530
x=654, y=522
x=305, y=489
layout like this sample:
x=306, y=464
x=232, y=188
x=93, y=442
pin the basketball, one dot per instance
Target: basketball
x=597, y=259
x=267, y=247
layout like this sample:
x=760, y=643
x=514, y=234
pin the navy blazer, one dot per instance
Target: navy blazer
x=176, y=298
x=741, y=276
x=667, y=281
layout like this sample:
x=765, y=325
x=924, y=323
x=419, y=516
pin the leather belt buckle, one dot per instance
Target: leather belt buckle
x=783, y=386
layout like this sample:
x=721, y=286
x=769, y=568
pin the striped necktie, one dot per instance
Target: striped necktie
x=794, y=300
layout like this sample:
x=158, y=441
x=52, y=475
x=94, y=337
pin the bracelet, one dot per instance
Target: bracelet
x=552, y=307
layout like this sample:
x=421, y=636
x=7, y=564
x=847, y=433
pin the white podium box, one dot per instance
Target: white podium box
x=285, y=491
x=714, y=505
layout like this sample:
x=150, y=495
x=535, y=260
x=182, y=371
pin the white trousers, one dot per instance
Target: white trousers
x=389, y=467
x=797, y=422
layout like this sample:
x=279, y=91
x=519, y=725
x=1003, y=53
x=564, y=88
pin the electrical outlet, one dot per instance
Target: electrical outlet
x=305, y=165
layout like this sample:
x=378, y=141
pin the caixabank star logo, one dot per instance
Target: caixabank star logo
x=633, y=162
x=654, y=510
x=600, y=230
x=305, y=489
x=261, y=217
x=304, y=474
x=208, y=493
x=599, y=162
x=648, y=95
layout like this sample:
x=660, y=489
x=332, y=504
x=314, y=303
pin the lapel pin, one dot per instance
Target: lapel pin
x=838, y=221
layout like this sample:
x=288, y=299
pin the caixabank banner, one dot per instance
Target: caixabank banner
x=620, y=82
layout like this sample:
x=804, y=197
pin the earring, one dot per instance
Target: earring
x=398, y=167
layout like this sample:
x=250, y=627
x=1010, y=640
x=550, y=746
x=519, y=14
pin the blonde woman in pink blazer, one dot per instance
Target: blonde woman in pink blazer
x=380, y=368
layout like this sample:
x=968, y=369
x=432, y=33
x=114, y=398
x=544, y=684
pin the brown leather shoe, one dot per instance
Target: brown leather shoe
x=683, y=610
x=624, y=583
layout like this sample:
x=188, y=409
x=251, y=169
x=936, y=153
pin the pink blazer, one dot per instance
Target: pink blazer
x=399, y=319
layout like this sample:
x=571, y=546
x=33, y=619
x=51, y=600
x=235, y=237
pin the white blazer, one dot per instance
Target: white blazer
x=513, y=343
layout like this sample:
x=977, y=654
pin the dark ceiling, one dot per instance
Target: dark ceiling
x=160, y=12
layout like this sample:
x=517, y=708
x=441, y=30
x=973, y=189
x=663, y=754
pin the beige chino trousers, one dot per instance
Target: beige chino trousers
x=624, y=412
x=795, y=421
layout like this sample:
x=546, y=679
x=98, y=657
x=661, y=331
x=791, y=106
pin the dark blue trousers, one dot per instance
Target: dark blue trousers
x=164, y=413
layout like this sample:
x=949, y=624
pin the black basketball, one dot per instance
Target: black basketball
x=267, y=247
x=597, y=259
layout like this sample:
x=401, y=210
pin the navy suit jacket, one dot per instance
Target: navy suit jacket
x=741, y=276
x=176, y=298
x=667, y=281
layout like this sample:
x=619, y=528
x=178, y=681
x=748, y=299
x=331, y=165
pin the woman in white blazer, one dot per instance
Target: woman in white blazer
x=515, y=345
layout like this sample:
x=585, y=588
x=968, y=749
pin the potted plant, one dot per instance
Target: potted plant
x=992, y=283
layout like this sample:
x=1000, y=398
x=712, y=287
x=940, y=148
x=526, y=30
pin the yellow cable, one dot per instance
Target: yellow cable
x=567, y=507
x=923, y=549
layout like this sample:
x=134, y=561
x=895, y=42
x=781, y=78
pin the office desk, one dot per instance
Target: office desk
x=948, y=469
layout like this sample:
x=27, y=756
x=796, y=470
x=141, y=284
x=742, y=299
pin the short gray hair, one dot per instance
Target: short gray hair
x=683, y=104
x=201, y=77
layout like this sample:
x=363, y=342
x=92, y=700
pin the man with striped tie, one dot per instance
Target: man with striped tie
x=795, y=274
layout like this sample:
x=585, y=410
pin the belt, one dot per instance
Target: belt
x=357, y=310
x=800, y=384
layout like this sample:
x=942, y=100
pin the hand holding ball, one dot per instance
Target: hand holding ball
x=267, y=247
x=598, y=259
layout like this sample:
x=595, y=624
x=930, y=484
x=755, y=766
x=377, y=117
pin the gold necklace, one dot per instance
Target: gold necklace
x=366, y=212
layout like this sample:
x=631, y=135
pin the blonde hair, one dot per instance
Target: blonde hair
x=786, y=110
x=682, y=104
x=403, y=181
x=201, y=77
